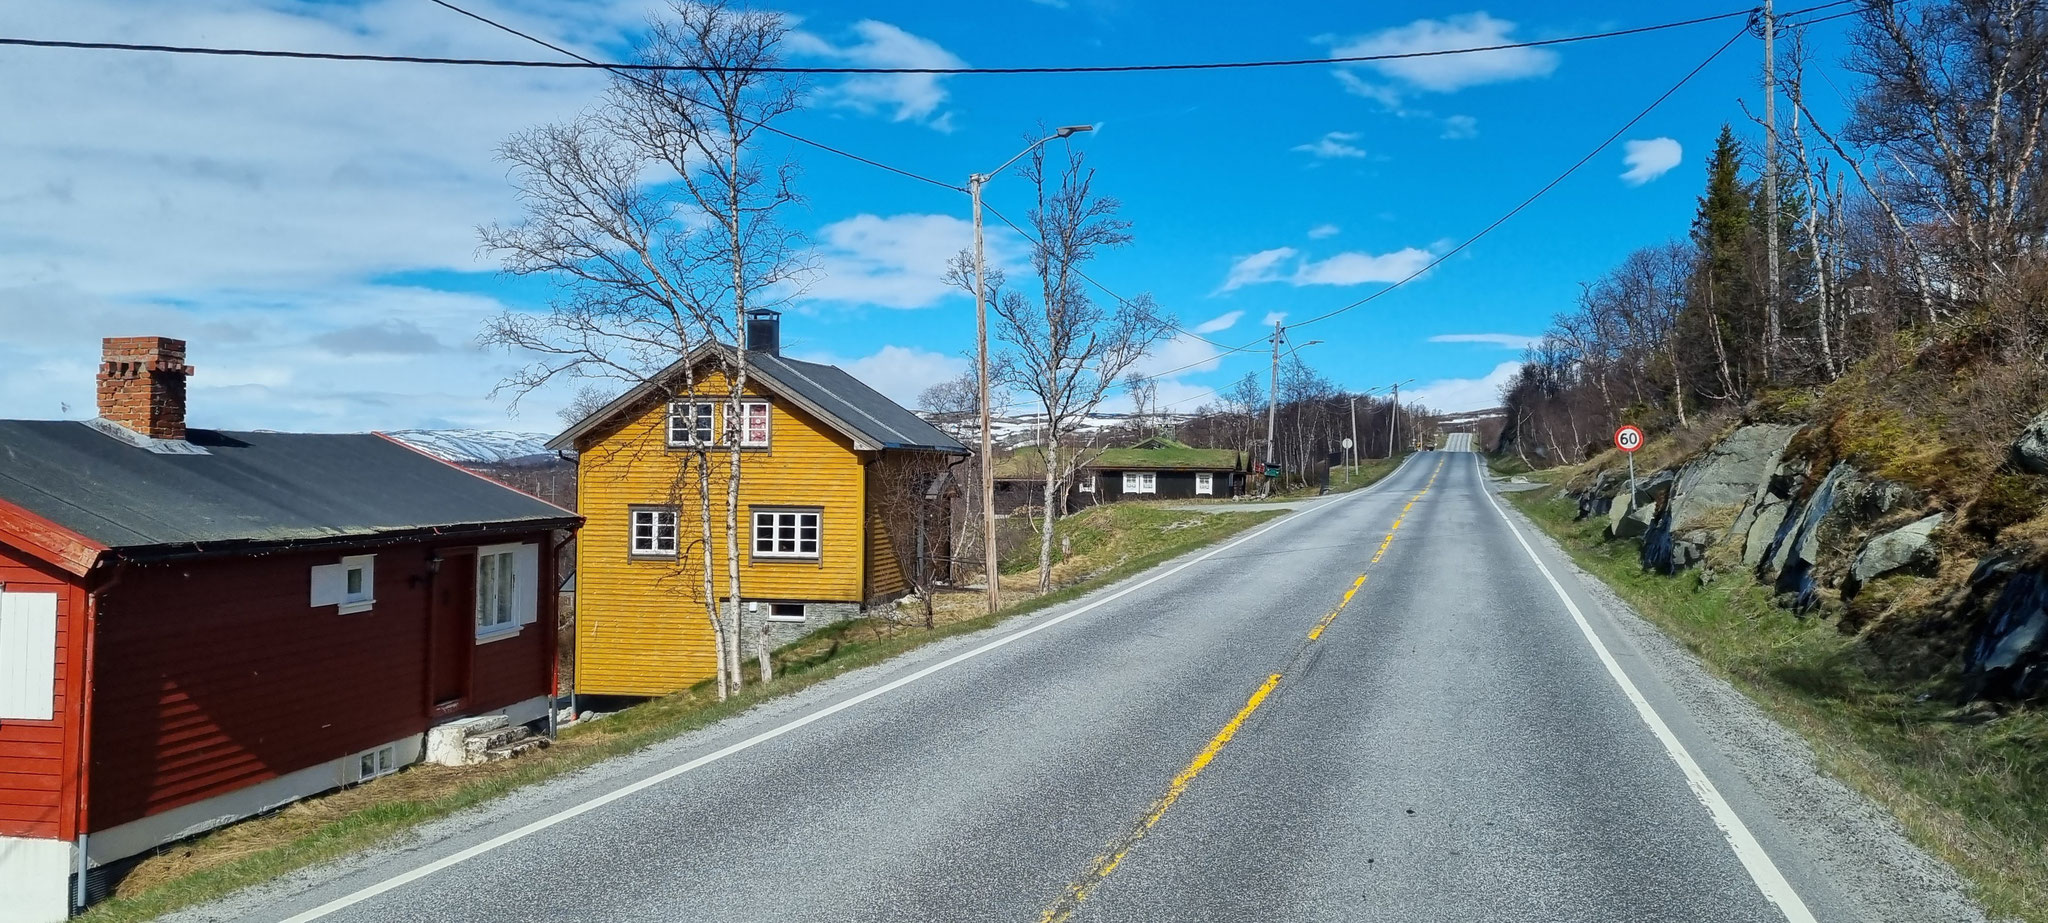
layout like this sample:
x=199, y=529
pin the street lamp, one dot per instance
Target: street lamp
x=988, y=470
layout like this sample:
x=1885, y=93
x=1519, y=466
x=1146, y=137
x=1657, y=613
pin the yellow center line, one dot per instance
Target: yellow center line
x=1107, y=862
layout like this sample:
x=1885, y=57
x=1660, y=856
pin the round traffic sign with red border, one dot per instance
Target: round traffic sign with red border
x=1628, y=438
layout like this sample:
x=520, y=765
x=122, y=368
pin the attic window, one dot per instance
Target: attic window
x=754, y=423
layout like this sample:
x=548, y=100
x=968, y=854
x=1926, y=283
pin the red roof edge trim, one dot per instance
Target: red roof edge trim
x=60, y=547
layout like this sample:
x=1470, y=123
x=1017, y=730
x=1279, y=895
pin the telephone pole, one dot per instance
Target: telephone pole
x=1770, y=191
x=1273, y=406
x=1354, y=436
x=1394, y=421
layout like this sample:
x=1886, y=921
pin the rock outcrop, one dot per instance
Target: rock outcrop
x=2030, y=450
x=1909, y=549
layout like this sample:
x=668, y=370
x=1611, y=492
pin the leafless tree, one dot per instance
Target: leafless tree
x=656, y=215
x=1065, y=349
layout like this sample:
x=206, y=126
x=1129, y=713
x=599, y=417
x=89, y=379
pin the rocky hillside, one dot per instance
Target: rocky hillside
x=1939, y=569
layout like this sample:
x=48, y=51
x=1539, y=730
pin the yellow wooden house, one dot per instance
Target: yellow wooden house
x=814, y=549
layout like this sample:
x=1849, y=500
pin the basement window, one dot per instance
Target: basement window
x=785, y=612
x=372, y=764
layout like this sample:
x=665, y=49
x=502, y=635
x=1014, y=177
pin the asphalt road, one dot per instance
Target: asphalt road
x=1451, y=745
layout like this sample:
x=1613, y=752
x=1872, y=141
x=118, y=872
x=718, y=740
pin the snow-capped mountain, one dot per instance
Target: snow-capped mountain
x=1029, y=429
x=477, y=446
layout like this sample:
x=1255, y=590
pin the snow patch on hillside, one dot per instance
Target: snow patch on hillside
x=477, y=446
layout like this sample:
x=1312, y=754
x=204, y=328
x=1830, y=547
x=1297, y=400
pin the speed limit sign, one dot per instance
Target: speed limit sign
x=1628, y=438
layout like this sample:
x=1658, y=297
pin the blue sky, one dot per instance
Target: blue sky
x=310, y=227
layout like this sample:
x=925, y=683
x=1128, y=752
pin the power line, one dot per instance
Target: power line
x=820, y=145
x=1531, y=200
x=583, y=63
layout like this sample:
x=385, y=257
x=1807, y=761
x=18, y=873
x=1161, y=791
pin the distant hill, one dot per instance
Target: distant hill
x=478, y=446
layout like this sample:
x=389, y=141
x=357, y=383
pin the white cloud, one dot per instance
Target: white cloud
x=1443, y=73
x=908, y=97
x=1347, y=268
x=1357, y=268
x=1258, y=267
x=1503, y=340
x=1321, y=231
x=1460, y=127
x=1219, y=323
x=1650, y=159
x=1452, y=395
x=900, y=372
x=1274, y=317
x=1334, y=144
x=895, y=262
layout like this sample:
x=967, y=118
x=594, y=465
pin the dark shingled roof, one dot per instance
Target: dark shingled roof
x=251, y=488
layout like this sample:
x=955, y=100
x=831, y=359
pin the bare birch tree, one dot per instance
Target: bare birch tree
x=656, y=216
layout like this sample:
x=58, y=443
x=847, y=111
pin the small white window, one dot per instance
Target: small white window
x=497, y=589
x=1087, y=483
x=28, y=656
x=754, y=423
x=689, y=423
x=786, y=533
x=359, y=584
x=382, y=761
x=1205, y=484
x=1140, y=482
x=785, y=612
x=654, y=532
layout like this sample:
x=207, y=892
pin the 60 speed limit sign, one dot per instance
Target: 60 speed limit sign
x=1628, y=438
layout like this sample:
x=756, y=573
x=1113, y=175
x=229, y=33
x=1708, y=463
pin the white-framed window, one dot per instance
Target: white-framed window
x=28, y=656
x=786, y=533
x=1205, y=484
x=1141, y=482
x=370, y=764
x=690, y=423
x=507, y=589
x=497, y=586
x=785, y=612
x=754, y=424
x=654, y=532
x=350, y=586
x=1087, y=483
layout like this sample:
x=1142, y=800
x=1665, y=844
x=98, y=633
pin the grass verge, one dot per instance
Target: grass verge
x=1969, y=785
x=1111, y=543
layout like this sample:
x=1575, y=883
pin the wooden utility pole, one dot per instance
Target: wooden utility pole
x=1273, y=404
x=1771, y=320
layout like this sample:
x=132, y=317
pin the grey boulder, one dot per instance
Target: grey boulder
x=2030, y=450
x=1909, y=549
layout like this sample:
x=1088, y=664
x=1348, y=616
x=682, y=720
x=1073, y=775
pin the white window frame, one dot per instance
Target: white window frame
x=774, y=616
x=1205, y=484
x=775, y=521
x=28, y=655
x=655, y=551
x=704, y=428
x=1141, y=482
x=1087, y=483
x=360, y=570
x=748, y=411
x=377, y=763
x=497, y=598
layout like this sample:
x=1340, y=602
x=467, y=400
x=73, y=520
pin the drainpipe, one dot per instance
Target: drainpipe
x=93, y=601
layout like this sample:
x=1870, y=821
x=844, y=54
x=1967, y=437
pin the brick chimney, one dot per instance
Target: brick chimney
x=142, y=385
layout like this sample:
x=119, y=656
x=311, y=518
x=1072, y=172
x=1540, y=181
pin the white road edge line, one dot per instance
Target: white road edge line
x=1751, y=853
x=457, y=858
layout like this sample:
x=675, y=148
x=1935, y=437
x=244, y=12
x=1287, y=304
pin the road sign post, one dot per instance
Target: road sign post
x=1628, y=439
x=1354, y=462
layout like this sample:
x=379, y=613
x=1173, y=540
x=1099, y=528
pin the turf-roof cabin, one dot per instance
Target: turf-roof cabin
x=1157, y=468
x=818, y=449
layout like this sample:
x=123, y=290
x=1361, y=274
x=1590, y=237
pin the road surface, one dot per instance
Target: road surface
x=1395, y=705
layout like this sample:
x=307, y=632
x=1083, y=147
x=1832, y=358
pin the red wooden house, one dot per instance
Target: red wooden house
x=197, y=626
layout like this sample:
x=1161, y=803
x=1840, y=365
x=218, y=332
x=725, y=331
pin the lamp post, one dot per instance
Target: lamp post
x=988, y=470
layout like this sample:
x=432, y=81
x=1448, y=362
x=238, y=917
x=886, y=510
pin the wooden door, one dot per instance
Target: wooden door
x=452, y=634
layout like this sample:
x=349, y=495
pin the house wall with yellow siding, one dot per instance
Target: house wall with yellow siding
x=641, y=628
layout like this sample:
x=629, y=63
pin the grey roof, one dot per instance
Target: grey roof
x=863, y=408
x=838, y=399
x=247, y=488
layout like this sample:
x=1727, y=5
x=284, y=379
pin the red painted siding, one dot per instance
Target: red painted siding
x=38, y=759
x=215, y=674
